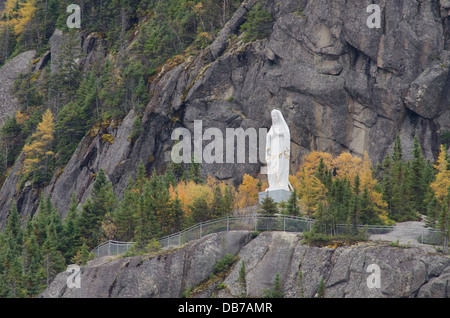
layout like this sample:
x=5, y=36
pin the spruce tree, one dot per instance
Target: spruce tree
x=418, y=182
x=124, y=215
x=12, y=262
x=292, y=207
x=71, y=237
x=269, y=206
x=218, y=207
x=101, y=202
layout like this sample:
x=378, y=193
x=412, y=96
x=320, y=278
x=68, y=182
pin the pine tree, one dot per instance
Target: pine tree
x=71, y=236
x=218, y=208
x=258, y=24
x=12, y=264
x=200, y=210
x=292, y=207
x=194, y=173
x=269, y=206
x=52, y=259
x=353, y=215
x=32, y=262
x=397, y=184
x=228, y=200
x=242, y=279
x=419, y=182
x=101, y=202
x=178, y=214
x=433, y=211
x=277, y=290
x=124, y=214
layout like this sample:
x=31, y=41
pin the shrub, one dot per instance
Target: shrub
x=224, y=263
x=258, y=24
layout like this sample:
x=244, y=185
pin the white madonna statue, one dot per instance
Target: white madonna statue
x=278, y=149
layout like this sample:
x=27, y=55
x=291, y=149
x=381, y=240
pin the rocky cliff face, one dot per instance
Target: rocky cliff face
x=340, y=85
x=9, y=72
x=404, y=272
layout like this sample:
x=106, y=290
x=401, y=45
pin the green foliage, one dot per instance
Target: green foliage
x=277, y=290
x=258, y=24
x=405, y=184
x=242, y=279
x=224, y=263
x=101, y=202
x=292, y=207
x=269, y=206
x=300, y=284
x=321, y=289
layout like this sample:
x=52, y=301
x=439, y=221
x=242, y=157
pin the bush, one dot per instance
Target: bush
x=224, y=263
x=258, y=24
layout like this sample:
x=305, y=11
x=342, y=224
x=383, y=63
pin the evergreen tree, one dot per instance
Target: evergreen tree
x=71, y=236
x=12, y=270
x=292, y=207
x=277, y=290
x=52, y=259
x=433, y=212
x=258, y=24
x=194, y=173
x=242, y=279
x=228, y=201
x=200, y=210
x=101, y=202
x=218, y=206
x=124, y=217
x=353, y=216
x=397, y=185
x=269, y=206
x=419, y=182
x=178, y=214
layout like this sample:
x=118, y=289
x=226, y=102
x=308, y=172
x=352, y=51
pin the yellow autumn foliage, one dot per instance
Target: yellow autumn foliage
x=19, y=14
x=442, y=182
x=40, y=148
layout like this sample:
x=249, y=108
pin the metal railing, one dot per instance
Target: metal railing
x=262, y=223
x=112, y=248
x=237, y=223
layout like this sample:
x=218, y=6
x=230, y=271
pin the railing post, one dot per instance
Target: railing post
x=228, y=223
x=284, y=223
x=109, y=247
x=179, y=239
x=201, y=229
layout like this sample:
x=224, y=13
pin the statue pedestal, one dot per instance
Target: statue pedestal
x=277, y=195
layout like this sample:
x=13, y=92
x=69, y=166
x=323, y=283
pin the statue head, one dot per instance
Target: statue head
x=276, y=116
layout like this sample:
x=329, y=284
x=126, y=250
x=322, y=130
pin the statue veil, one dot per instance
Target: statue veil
x=278, y=146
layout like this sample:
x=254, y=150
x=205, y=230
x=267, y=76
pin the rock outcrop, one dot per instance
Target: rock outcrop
x=9, y=72
x=340, y=85
x=404, y=272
